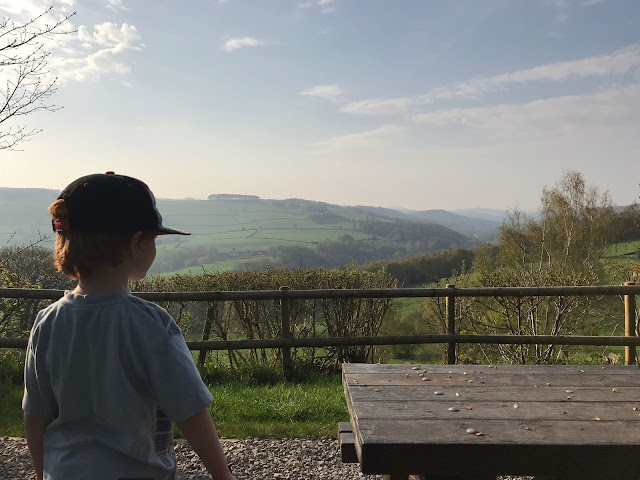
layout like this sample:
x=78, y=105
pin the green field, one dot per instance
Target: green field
x=244, y=229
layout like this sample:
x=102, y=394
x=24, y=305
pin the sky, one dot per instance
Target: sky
x=421, y=104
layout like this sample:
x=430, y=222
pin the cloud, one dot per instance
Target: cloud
x=331, y=93
x=377, y=106
x=383, y=136
x=616, y=63
x=109, y=44
x=325, y=6
x=22, y=10
x=611, y=108
x=237, y=43
x=81, y=55
x=116, y=5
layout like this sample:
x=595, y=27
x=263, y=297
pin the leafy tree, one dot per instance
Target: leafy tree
x=562, y=248
x=24, y=55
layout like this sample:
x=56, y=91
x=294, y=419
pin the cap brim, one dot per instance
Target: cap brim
x=171, y=231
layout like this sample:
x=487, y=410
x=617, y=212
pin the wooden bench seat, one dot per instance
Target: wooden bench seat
x=347, y=443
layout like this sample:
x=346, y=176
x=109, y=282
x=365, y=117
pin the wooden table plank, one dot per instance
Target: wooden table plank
x=499, y=369
x=399, y=423
x=422, y=410
x=525, y=380
x=494, y=394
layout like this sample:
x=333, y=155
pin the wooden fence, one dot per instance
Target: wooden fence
x=450, y=293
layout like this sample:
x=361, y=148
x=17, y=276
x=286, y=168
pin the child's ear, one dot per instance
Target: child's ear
x=135, y=241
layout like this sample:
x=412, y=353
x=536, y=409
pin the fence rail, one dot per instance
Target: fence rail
x=285, y=295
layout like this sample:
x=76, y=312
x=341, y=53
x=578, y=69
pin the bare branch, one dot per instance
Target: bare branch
x=23, y=62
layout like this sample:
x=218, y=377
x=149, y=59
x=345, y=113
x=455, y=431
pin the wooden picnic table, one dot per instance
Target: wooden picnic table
x=557, y=421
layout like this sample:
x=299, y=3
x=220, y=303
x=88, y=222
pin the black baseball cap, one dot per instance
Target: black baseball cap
x=110, y=203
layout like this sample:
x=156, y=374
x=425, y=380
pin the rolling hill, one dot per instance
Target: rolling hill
x=255, y=233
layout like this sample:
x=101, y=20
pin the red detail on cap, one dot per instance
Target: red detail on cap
x=86, y=185
x=110, y=173
x=61, y=225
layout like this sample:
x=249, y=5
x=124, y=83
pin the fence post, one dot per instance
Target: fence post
x=206, y=331
x=285, y=310
x=629, y=326
x=450, y=305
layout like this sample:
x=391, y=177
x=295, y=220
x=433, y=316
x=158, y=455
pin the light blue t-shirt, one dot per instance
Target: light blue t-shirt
x=112, y=371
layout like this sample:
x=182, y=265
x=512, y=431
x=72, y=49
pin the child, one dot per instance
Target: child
x=106, y=373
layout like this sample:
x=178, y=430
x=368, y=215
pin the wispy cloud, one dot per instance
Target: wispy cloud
x=116, y=5
x=107, y=44
x=378, y=106
x=325, y=6
x=384, y=136
x=237, y=43
x=616, y=63
x=610, y=108
x=331, y=93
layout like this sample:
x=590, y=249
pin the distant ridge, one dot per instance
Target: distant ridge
x=232, y=196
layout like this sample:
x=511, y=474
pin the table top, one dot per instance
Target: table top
x=515, y=419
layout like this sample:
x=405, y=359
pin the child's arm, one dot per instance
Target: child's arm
x=34, y=427
x=201, y=433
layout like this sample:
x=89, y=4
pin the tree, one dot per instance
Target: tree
x=562, y=248
x=24, y=56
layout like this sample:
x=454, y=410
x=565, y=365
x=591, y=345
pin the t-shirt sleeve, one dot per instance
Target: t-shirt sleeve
x=171, y=376
x=37, y=399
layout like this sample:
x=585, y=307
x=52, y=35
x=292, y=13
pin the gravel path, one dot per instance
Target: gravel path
x=251, y=459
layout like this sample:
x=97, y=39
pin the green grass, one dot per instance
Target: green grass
x=11, y=424
x=286, y=409
x=250, y=403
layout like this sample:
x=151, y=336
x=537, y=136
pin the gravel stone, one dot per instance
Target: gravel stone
x=250, y=459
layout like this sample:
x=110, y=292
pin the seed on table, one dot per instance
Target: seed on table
x=614, y=389
x=515, y=405
x=438, y=393
x=454, y=409
x=472, y=430
x=415, y=368
x=421, y=374
x=406, y=375
x=581, y=371
x=425, y=379
x=569, y=391
x=597, y=419
x=564, y=411
x=548, y=384
x=635, y=409
x=457, y=394
x=377, y=390
x=479, y=434
x=469, y=408
x=501, y=404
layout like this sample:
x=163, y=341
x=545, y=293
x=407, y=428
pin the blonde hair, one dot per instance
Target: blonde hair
x=79, y=254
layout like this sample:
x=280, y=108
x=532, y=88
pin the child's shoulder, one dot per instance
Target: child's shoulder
x=152, y=313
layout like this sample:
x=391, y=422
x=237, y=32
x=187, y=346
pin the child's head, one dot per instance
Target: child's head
x=96, y=217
